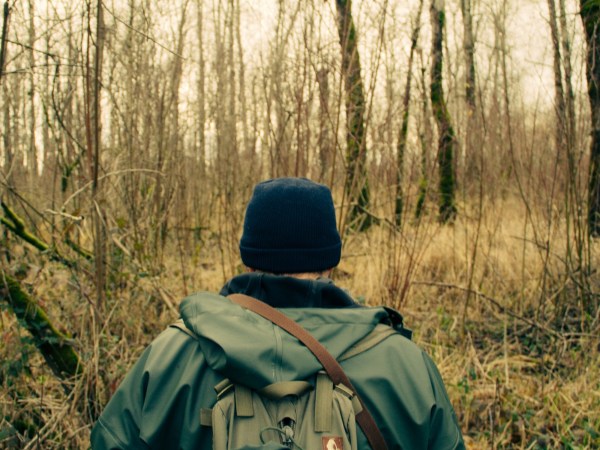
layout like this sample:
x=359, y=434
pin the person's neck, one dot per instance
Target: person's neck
x=300, y=276
x=306, y=276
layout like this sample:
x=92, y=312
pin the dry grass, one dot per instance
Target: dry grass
x=493, y=300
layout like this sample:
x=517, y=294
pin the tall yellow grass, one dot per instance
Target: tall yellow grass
x=485, y=298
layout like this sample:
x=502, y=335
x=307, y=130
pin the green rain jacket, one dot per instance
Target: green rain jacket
x=157, y=406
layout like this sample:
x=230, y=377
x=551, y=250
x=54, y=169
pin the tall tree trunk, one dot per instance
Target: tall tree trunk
x=324, y=139
x=32, y=157
x=568, y=74
x=469, y=49
x=446, y=140
x=247, y=147
x=559, y=95
x=425, y=137
x=169, y=155
x=590, y=16
x=5, y=17
x=472, y=151
x=357, y=186
x=401, y=149
x=94, y=148
x=6, y=141
x=197, y=194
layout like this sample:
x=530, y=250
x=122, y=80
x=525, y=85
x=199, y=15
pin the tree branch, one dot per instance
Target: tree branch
x=56, y=348
x=15, y=224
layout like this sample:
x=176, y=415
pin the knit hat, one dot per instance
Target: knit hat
x=290, y=227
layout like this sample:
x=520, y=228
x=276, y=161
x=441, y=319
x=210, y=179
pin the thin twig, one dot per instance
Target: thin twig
x=494, y=302
x=141, y=33
x=116, y=172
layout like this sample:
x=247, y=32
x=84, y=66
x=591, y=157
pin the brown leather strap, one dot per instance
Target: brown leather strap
x=331, y=366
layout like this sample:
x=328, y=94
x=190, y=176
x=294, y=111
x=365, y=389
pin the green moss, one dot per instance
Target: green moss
x=55, y=347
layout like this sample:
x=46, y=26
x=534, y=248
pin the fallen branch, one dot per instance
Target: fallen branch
x=56, y=348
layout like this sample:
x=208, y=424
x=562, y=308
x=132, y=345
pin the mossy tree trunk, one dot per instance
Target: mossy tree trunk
x=357, y=185
x=446, y=136
x=402, y=139
x=590, y=16
x=56, y=348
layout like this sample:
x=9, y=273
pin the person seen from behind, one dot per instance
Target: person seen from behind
x=290, y=244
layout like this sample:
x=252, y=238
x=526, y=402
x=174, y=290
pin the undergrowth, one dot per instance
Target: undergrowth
x=504, y=323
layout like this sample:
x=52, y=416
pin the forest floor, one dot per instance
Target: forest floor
x=503, y=317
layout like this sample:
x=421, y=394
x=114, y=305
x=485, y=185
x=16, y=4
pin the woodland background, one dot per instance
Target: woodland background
x=461, y=141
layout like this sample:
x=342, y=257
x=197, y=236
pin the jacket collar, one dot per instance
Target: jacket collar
x=288, y=292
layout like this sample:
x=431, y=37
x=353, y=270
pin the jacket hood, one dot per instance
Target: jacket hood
x=249, y=349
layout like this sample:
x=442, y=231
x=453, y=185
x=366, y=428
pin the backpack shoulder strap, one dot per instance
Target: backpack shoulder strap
x=331, y=366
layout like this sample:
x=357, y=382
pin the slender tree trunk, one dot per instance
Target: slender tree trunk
x=94, y=149
x=243, y=110
x=446, y=140
x=174, y=153
x=570, y=94
x=201, y=154
x=472, y=152
x=469, y=49
x=401, y=149
x=357, y=186
x=590, y=16
x=5, y=17
x=559, y=95
x=32, y=163
x=425, y=134
x=6, y=139
x=324, y=139
x=49, y=156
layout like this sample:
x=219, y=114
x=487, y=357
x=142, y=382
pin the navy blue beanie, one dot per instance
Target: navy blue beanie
x=290, y=227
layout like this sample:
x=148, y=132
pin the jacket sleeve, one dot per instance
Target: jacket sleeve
x=445, y=431
x=118, y=425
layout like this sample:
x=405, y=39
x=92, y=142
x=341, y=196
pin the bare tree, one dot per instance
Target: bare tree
x=324, y=139
x=357, y=185
x=472, y=151
x=32, y=154
x=590, y=16
x=402, y=138
x=3, y=42
x=568, y=75
x=559, y=94
x=446, y=139
x=6, y=113
x=93, y=85
x=469, y=49
x=425, y=138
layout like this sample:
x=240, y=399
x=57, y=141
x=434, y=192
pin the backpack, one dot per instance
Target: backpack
x=295, y=415
x=319, y=413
